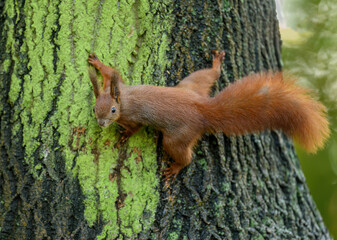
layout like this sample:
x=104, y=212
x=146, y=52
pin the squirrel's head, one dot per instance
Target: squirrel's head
x=107, y=107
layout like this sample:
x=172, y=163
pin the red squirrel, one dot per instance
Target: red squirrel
x=184, y=112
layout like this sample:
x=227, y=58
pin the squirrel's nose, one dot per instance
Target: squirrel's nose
x=101, y=122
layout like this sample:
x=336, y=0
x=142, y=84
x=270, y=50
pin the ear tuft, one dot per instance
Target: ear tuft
x=115, y=80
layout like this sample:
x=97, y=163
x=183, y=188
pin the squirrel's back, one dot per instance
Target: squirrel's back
x=165, y=108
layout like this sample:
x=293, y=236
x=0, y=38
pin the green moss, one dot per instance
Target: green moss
x=107, y=188
x=173, y=236
x=9, y=9
x=86, y=174
x=40, y=83
x=5, y=65
x=139, y=182
x=259, y=237
x=11, y=48
x=14, y=89
x=225, y=187
x=128, y=35
x=38, y=167
x=125, y=39
x=203, y=163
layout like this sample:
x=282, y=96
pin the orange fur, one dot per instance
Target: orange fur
x=266, y=101
x=183, y=113
x=201, y=81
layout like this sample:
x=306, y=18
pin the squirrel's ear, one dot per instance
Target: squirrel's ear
x=115, y=93
x=93, y=79
x=114, y=85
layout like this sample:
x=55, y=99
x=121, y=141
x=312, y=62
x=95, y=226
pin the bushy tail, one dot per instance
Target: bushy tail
x=266, y=101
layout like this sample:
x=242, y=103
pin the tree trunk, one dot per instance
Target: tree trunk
x=63, y=177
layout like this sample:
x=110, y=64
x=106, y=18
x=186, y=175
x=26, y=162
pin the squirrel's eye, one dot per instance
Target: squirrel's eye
x=113, y=109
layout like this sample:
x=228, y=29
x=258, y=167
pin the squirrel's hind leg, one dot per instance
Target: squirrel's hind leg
x=201, y=81
x=181, y=153
x=218, y=58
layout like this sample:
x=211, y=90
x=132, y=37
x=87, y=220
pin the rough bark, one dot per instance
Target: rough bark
x=62, y=177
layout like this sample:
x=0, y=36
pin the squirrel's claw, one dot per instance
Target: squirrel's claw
x=171, y=172
x=216, y=54
x=125, y=134
x=123, y=139
x=93, y=59
x=93, y=55
x=222, y=55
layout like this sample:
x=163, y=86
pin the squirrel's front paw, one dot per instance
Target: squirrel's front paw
x=123, y=139
x=125, y=134
x=93, y=59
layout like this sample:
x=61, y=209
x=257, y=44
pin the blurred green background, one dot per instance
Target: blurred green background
x=309, y=34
